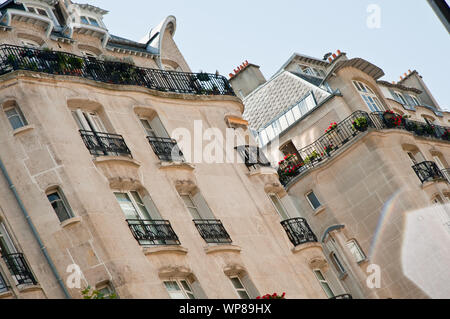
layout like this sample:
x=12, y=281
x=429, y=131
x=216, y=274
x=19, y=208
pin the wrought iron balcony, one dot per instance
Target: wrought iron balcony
x=56, y=62
x=19, y=269
x=428, y=171
x=446, y=173
x=298, y=231
x=346, y=296
x=102, y=144
x=253, y=156
x=3, y=285
x=212, y=231
x=153, y=232
x=166, y=149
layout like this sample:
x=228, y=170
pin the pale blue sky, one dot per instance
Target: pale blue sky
x=219, y=35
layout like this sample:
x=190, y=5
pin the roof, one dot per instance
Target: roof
x=91, y=8
x=276, y=96
x=361, y=64
x=305, y=58
x=399, y=86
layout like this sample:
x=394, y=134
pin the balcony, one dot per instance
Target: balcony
x=62, y=63
x=105, y=144
x=324, y=148
x=19, y=269
x=346, y=296
x=153, y=232
x=212, y=231
x=253, y=156
x=299, y=231
x=166, y=149
x=428, y=172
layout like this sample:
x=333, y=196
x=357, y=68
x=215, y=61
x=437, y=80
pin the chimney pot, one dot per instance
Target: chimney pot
x=409, y=71
x=405, y=74
x=334, y=56
x=231, y=75
x=330, y=59
x=401, y=78
x=339, y=52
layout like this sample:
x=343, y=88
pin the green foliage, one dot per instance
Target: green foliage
x=90, y=293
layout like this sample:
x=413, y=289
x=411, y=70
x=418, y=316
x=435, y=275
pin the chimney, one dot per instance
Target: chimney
x=246, y=79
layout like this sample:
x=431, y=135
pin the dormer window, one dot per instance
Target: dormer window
x=89, y=20
x=415, y=100
x=39, y=11
x=369, y=96
x=400, y=98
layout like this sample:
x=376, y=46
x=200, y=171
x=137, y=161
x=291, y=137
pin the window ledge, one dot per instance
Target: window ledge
x=222, y=248
x=176, y=165
x=429, y=183
x=29, y=288
x=71, y=221
x=319, y=210
x=123, y=159
x=6, y=294
x=155, y=250
x=23, y=129
x=306, y=246
x=263, y=171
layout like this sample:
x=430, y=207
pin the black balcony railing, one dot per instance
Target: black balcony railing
x=19, y=269
x=166, y=149
x=153, y=232
x=253, y=156
x=3, y=285
x=102, y=144
x=63, y=63
x=428, y=171
x=299, y=231
x=386, y=120
x=324, y=147
x=212, y=231
x=346, y=296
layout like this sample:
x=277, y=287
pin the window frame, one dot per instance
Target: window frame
x=238, y=289
x=179, y=282
x=18, y=113
x=369, y=97
x=338, y=264
x=363, y=256
x=324, y=282
x=401, y=98
x=309, y=201
x=64, y=202
x=273, y=195
x=140, y=214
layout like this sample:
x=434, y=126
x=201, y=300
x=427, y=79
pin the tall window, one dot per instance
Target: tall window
x=36, y=10
x=415, y=99
x=60, y=205
x=279, y=207
x=338, y=264
x=239, y=287
x=15, y=117
x=313, y=200
x=6, y=244
x=400, y=98
x=179, y=289
x=356, y=250
x=88, y=121
x=324, y=283
x=369, y=96
x=134, y=207
x=197, y=206
x=154, y=127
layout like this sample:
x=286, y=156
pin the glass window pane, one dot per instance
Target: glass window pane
x=296, y=112
x=313, y=200
x=15, y=118
x=237, y=283
x=243, y=294
x=290, y=117
x=319, y=275
x=283, y=123
x=327, y=289
x=84, y=20
x=140, y=205
x=279, y=207
x=127, y=206
x=185, y=285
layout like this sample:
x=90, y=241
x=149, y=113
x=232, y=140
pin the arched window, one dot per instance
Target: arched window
x=14, y=115
x=60, y=204
x=369, y=96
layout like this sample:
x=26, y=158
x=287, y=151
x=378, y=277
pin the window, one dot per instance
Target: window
x=179, y=289
x=369, y=96
x=313, y=200
x=356, y=251
x=134, y=207
x=3, y=285
x=107, y=291
x=400, y=98
x=15, y=117
x=154, y=127
x=415, y=100
x=239, y=287
x=89, y=20
x=6, y=244
x=197, y=206
x=279, y=207
x=37, y=10
x=338, y=264
x=324, y=283
x=88, y=121
x=60, y=205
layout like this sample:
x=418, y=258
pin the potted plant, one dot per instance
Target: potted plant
x=312, y=157
x=410, y=126
x=13, y=61
x=328, y=149
x=331, y=128
x=446, y=135
x=204, y=77
x=392, y=120
x=274, y=296
x=360, y=124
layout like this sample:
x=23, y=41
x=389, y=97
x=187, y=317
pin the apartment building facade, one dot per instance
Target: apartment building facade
x=365, y=161
x=95, y=191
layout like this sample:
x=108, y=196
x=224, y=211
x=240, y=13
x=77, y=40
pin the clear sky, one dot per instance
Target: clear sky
x=219, y=35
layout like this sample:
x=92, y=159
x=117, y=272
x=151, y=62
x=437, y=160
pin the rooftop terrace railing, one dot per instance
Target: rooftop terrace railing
x=55, y=62
x=341, y=133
